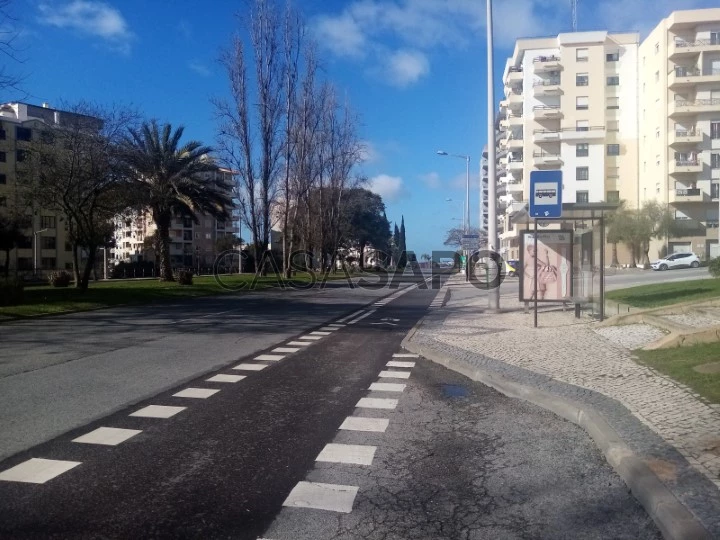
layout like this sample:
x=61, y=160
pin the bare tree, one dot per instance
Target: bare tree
x=9, y=50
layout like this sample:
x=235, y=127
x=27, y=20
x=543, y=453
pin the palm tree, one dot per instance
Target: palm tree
x=172, y=180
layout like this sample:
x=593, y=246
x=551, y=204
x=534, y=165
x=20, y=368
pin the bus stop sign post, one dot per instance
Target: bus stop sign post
x=546, y=194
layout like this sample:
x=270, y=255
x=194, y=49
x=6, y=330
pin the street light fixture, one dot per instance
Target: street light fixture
x=35, y=250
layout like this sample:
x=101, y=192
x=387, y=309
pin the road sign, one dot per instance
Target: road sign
x=471, y=241
x=545, y=194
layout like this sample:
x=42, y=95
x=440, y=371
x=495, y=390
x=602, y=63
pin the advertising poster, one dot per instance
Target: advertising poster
x=554, y=266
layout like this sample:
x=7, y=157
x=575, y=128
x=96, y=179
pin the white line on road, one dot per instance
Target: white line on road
x=406, y=355
x=350, y=316
x=387, y=387
x=353, y=454
x=270, y=357
x=359, y=423
x=394, y=363
x=329, y=329
x=361, y=317
x=331, y=497
x=299, y=343
x=312, y=338
x=196, y=393
x=285, y=350
x=395, y=374
x=377, y=403
x=37, y=471
x=250, y=367
x=107, y=436
x=157, y=411
x=316, y=333
x=226, y=378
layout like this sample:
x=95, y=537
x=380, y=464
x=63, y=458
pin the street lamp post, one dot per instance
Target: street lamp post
x=493, y=293
x=466, y=224
x=35, y=250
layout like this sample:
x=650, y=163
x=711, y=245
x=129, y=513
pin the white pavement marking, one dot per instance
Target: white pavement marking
x=353, y=454
x=359, y=423
x=299, y=343
x=406, y=355
x=329, y=329
x=339, y=325
x=331, y=497
x=196, y=393
x=377, y=403
x=271, y=357
x=37, y=471
x=361, y=317
x=395, y=374
x=312, y=338
x=387, y=387
x=158, y=411
x=394, y=363
x=350, y=316
x=107, y=435
x=226, y=378
x=285, y=350
x=316, y=333
x=251, y=367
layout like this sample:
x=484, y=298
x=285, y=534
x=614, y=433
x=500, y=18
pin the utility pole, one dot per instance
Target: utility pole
x=493, y=293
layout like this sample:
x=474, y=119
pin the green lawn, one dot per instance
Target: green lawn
x=677, y=363
x=665, y=294
x=44, y=300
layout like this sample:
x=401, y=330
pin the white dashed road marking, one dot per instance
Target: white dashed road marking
x=316, y=333
x=377, y=403
x=350, y=316
x=196, y=393
x=361, y=317
x=406, y=355
x=312, y=338
x=393, y=363
x=359, y=423
x=387, y=387
x=299, y=343
x=251, y=367
x=354, y=454
x=158, y=411
x=270, y=357
x=338, y=325
x=285, y=350
x=331, y=497
x=38, y=471
x=395, y=374
x=328, y=329
x=107, y=436
x=226, y=378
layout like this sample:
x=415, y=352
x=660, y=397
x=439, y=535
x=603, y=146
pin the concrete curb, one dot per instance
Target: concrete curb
x=673, y=519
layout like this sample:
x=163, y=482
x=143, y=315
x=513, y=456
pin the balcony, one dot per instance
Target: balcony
x=680, y=137
x=515, y=144
x=582, y=133
x=515, y=74
x=681, y=107
x=688, y=195
x=689, y=227
x=681, y=48
x=515, y=100
x=547, y=112
x=543, y=64
x=515, y=163
x=683, y=77
x=515, y=187
x=687, y=166
x=514, y=120
x=543, y=135
x=549, y=87
x=542, y=159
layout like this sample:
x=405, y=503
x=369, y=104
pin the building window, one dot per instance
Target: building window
x=23, y=134
x=613, y=103
x=613, y=196
x=581, y=103
x=3, y=157
x=612, y=57
x=715, y=130
x=715, y=161
x=582, y=150
x=68, y=246
x=582, y=79
x=582, y=125
x=613, y=80
x=208, y=236
x=47, y=242
x=3, y=179
x=20, y=155
x=48, y=263
x=613, y=149
x=47, y=222
x=715, y=190
x=581, y=55
x=582, y=173
x=582, y=197
x=613, y=125
x=3, y=134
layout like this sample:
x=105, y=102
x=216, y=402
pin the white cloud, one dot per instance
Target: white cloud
x=369, y=153
x=406, y=67
x=200, y=69
x=341, y=34
x=91, y=18
x=431, y=180
x=390, y=188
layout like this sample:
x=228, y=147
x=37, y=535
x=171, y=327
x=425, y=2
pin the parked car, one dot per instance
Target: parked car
x=677, y=260
x=512, y=267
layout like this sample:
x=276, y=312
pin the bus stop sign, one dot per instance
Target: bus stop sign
x=546, y=194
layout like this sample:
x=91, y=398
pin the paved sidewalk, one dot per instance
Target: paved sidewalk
x=672, y=430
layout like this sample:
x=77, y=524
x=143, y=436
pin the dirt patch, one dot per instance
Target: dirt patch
x=666, y=471
x=713, y=368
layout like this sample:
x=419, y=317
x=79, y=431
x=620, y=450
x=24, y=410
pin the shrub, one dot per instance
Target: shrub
x=59, y=279
x=714, y=267
x=184, y=277
x=11, y=291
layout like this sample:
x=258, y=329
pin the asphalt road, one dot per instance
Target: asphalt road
x=456, y=460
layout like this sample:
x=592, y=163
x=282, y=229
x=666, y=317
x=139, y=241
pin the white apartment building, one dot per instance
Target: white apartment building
x=679, y=118
x=570, y=104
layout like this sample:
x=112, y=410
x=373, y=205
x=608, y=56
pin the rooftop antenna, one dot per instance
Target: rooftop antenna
x=573, y=5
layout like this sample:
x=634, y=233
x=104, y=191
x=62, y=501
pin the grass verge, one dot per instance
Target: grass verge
x=665, y=294
x=678, y=363
x=46, y=300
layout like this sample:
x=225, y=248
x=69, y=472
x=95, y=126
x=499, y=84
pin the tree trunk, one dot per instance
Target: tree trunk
x=7, y=263
x=76, y=265
x=163, y=225
x=362, y=256
x=615, y=263
x=85, y=279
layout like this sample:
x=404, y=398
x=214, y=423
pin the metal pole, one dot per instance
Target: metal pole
x=602, y=267
x=494, y=293
x=35, y=254
x=535, y=272
x=105, y=263
x=467, y=214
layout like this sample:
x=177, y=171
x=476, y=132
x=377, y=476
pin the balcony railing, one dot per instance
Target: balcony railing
x=689, y=192
x=686, y=133
x=550, y=82
x=548, y=107
x=681, y=43
x=546, y=155
x=697, y=102
x=514, y=69
x=686, y=163
x=695, y=72
x=546, y=59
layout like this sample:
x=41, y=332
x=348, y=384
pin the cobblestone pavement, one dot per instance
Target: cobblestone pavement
x=695, y=320
x=572, y=351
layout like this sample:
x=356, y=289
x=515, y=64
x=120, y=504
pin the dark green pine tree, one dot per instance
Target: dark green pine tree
x=402, y=260
x=396, y=245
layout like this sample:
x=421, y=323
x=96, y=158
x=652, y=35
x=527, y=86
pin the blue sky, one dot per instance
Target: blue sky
x=414, y=70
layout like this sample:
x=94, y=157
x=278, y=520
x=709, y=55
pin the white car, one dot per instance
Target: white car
x=677, y=260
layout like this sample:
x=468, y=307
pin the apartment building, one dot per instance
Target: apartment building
x=570, y=104
x=46, y=245
x=191, y=244
x=679, y=118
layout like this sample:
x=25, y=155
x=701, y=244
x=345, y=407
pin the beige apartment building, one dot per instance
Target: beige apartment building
x=570, y=104
x=679, y=117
